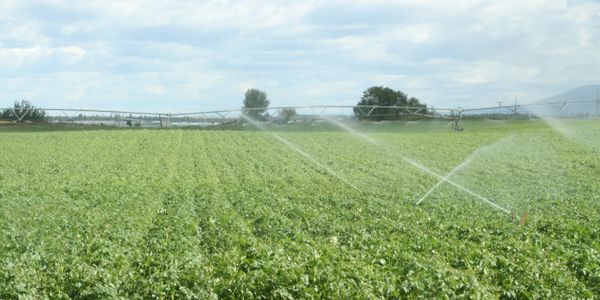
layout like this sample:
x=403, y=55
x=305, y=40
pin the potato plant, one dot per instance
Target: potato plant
x=187, y=214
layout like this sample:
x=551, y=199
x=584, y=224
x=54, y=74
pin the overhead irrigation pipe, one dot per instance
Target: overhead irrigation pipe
x=409, y=109
x=310, y=107
x=529, y=104
x=92, y=110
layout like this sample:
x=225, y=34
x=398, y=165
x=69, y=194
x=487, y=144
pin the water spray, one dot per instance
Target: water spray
x=460, y=187
x=423, y=168
x=460, y=166
x=464, y=163
x=297, y=149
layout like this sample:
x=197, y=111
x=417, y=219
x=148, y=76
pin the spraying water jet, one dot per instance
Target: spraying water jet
x=298, y=150
x=460, y=166
x=420, y=166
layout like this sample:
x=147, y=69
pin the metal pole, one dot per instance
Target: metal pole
x=598, y=104
x=499, y=108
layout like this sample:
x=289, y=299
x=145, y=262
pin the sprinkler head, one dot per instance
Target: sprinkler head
x=523, y=219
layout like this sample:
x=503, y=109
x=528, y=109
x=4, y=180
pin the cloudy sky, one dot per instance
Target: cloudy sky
x=176, y=56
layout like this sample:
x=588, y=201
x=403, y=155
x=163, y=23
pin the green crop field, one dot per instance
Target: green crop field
x=96, y=214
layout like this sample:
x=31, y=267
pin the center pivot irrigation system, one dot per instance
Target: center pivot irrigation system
x=229, y=116
x=564, y=109
x=340, y=112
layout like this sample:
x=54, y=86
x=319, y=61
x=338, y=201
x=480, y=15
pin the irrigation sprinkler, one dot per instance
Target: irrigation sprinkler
x=524, y=219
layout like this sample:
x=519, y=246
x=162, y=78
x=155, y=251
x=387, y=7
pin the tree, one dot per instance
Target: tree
x=255, y=103
x=288, y=113
x=23, y=111
x=384, y=96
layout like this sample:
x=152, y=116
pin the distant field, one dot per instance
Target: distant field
x=139, y=214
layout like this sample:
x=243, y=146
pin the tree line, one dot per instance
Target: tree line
x=377, y=103
x=23, y=111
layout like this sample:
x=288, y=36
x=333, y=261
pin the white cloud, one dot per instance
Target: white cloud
x=155, y=90
x=584, y=38
x=32, y=57
x=16, y=57
x=205, y=54
x=72, y=53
